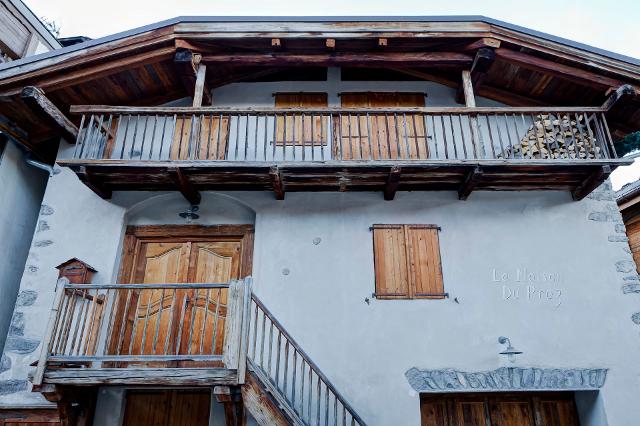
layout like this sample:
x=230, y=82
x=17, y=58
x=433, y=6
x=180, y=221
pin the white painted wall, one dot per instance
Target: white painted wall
x=21, y=189
x=365, y=348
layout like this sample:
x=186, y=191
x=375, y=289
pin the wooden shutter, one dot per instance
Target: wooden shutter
x=290, y=126
x=407, y=262
x=200, y=137
x=378, y=136
x=633, y=232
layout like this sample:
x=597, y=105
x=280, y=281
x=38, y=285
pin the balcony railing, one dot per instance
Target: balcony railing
x=304, y=135
x=146, y=326
x=387, y=150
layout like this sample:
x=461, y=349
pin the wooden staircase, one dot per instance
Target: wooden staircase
x=283, y=386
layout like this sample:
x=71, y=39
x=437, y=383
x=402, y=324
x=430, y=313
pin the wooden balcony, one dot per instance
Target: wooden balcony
x=387, y=150
x=146, y=334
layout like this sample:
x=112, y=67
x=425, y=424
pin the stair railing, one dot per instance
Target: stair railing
x=296, y=382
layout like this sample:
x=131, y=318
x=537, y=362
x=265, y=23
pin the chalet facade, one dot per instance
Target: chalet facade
x=332, y=221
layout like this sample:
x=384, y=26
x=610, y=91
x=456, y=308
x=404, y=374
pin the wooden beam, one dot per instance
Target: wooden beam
x=141, y=376
x=396, y=59
x=330, y=43
x=185, y=187
x=187, y=63
x=89, y=180
x=479, y=69
x=276, y=43
x=260, y=405
x=489, y=42
x=621, y=95
x=383, y=42
x=566, y=72
x=392, y=183
x=36, y=100
x=594, y=180
x=276, y=182
x=469, y=183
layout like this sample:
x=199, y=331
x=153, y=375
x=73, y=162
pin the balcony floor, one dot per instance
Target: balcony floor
x=579, y=176
x=141, y=376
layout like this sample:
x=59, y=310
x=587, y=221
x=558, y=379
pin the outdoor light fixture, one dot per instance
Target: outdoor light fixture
x=510, y=351
x=190, y=214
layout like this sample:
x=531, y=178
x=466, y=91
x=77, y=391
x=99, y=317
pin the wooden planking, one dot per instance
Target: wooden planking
x=261, y=405
x=142, y=376
x=29, y=417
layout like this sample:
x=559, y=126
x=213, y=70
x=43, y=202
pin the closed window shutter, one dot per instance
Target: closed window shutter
x=390, y=256
x=425, y=269
x=290, y=127
x=407, y=262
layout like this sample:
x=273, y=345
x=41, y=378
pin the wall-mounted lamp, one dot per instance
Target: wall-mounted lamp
x=510, y=351
x=190, y=214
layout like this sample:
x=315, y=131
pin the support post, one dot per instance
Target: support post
x=470, y=182
x=276, y=182
x=231, y=400
x=187, y=63
x=594, y=180
x=200, y=85
x=36, y=100
x=392, y=183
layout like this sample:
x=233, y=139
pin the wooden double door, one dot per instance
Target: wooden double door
x=499, y=409
x=177, y=321
x=176, y=407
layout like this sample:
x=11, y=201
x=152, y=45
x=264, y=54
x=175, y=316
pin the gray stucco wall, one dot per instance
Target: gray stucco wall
x=21, y=190
x=582, y=318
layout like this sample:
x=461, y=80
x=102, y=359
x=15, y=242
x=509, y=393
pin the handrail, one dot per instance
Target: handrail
x=293, y=384
x=78, y=109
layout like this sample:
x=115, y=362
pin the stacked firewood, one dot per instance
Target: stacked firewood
x=556, y=136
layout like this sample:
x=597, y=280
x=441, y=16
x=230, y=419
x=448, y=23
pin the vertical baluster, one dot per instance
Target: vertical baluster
x=302, y=377
x=397, y=133
x=546, y=139
x=153, y=135
x=594, y=134
x=444, y=137
x=123, y=323
x=264, y=147
x=86, y=140
x=82, y=135
x=207, y=153
x=254, y=324
x=216, y=318
x=284, y=138
x=112, y=314
x=344, y=415
x=326, y=405
x=286, y=366
x=80, y=318
x=407, y=144
x=335, y=410
x=464, y=141
x=608, y=144
x=62, y=319
x=194, y=305
x=219, y=155
x=524, y=125
x=89, y=302
x=90, y=336
x=367, y=118
x=453, y=137
x=144, y=135
x=435, y=138
x=490, y=133
x=293, y=379
x=204, y=322
x=302, y=137
x=360, y=136
x=158, y=321
x=124, y=138
x=388, y=134
x=339, y=143
x=262, y=334
x=324, y=138
x=313, y=134
x=146, y=318
x=164, y=128
x=514, y=124
x=255, y=137
x=235, y=157
x=99, y=144
x=318, y=399
x=174, y=300
x=270, y=348
x=378, y=142
x=278, y=357
x=509, y=150
x=70, y=319
x=587, y=143
x=350, y=139
x=183, y=312
x=136, y=321
x=135, y=134
x=310, y=393
x=415, y=135
x=201, y=129
x=275, y=135
x=246, y=135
